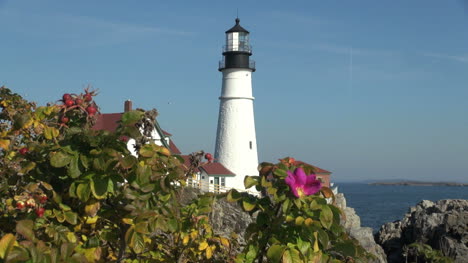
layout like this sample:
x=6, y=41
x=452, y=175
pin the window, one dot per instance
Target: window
x=223, y=181
x=203, y=177
x=250, y=145
x=216, y=185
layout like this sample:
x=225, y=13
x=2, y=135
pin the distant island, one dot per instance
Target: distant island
x=418, y=183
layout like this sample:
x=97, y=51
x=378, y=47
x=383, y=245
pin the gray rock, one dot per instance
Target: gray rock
x=352, y=224
x=227, y=218
x=442, y=225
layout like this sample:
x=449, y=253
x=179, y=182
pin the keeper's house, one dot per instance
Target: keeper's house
x=211, y=176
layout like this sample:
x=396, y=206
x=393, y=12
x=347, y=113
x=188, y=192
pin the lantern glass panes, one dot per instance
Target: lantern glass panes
x=237, y=41
x=244, y=41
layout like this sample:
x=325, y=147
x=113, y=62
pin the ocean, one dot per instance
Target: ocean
x=379, y=204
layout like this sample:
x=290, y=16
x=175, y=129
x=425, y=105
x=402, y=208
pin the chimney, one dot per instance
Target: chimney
x=127, y=105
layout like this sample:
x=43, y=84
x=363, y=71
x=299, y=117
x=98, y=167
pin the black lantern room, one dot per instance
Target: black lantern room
x=237, y=50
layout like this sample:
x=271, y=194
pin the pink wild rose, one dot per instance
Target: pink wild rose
x=302, y=184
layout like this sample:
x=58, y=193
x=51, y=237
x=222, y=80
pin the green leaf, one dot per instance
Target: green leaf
x=83, y=191
x=137, y=243
x=95, y=152
x=40, y=112
x=129, y=118
x=99, y=186
x=59, y=159
x=323, y=238
x=64, y=207
x=132, y=132
x=143, y=174
x=51, y=132
x=233, y=195
x=272, y=190
x=303, y=246
x=20, y=121
x=299, y=220
x=161, y=224
x=74, y=130
x=326, y=216
x=280, y=173
x=59, y=215
x=265, y=183
x=173, y=225
x=71, y=217
x=291, y=256
x=84, y=161
x=56, y=197
x=314, y=205
x=66, y=250
x=99, y=163
x=248, y=205
x=73, y=170
x=262, y=219
x=71, y=237
x=147, y=150
x=298, y=203
x=251, y=254
x=204, y=201
x=25, y=228
x=347, y=248
x=6, y=244
x=129, y=234
x=148, y=188
x=165, y=197
x=47, y=186
x=128, y=161
x=336, y=214
x=93, y=242
x=28, y=167
x=92, y=208
x=250, y=181
x=286, y=205
x=141, y=227
x=72, y=190
x=274, y=253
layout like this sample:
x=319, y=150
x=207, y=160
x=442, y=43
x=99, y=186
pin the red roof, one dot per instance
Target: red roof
x=216, y=169
x=173, y=148
x=209, y=168
x=107, y=121
x=110, y=122
x=318, y=170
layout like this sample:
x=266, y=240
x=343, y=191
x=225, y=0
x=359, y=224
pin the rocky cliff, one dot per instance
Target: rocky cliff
x=227, y=218
x=352, y=224
x=443, y=225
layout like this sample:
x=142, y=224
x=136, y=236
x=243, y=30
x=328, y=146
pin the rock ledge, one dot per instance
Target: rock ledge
x=443, y=225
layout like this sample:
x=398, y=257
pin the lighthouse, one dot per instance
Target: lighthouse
x=236, y=143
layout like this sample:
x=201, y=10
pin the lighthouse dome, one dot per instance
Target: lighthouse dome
x=237, y=28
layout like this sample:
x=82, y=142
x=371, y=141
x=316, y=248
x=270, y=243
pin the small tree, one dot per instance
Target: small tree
x=295, y=220
x=73, y=194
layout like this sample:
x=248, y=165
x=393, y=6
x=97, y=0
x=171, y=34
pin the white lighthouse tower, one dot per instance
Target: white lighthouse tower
x=236, y=143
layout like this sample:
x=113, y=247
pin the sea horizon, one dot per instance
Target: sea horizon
x=367, y=200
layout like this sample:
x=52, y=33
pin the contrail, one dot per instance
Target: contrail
x=350, y=88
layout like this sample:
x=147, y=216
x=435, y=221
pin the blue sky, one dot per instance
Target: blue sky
x=365, y=89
